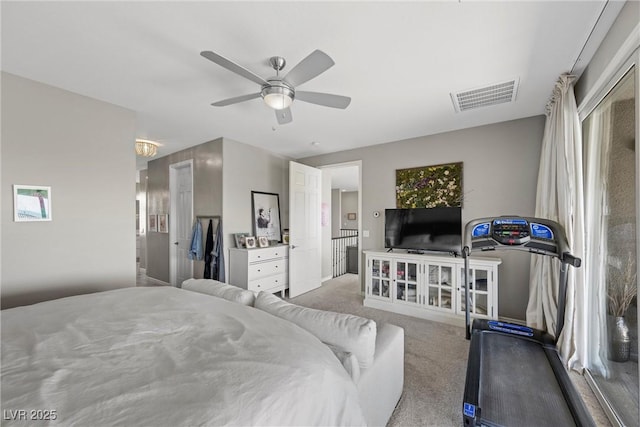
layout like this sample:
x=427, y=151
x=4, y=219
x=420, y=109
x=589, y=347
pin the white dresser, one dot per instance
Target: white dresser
x=260, y=269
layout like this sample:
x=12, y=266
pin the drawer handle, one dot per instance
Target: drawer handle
x=258, y=270
x=258, y=285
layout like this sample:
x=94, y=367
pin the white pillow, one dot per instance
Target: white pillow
x=349, y=361
x=221, y=290
x=351, y=333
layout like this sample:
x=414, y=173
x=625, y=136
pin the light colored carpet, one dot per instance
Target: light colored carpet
x=435, y=356
x=435, y=359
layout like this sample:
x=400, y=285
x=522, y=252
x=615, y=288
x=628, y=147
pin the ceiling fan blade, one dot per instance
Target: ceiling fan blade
x=284, y=116
x=236, y=99
x=232, y=66
x=326, y=99
x=313, y=65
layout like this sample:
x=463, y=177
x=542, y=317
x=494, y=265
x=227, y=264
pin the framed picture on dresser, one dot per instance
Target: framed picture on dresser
x=263, y=242
x=250, y=242
x=239, y=238
x=266, y=215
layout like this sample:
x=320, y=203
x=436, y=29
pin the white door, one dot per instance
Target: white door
x=305, y=256
x=180, y=221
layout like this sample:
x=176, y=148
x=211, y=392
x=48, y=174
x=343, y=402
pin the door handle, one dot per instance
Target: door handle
x=175, y=243
x=293, y=246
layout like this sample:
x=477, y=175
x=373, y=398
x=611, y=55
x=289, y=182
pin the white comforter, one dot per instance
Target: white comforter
x=167, y=357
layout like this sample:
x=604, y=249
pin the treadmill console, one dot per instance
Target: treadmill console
x=511, y=231
x=514, y=232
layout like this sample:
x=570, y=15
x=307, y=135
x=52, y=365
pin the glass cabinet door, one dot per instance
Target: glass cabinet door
x=406, y=281
x=439, y=286
x=380, y=278
x=478, y=290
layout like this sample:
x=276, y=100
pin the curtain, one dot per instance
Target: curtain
x=559, y=197
x=598, y=144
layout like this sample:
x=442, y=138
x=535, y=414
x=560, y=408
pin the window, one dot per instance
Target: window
x=609, y=134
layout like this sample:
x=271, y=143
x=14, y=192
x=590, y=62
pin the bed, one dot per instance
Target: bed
x=166, y=356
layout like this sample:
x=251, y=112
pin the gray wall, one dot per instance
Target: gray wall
x=336, y=212
x=500, y=174
x=224, y=174
x=83, y=149
x=349, y=205
x=207, y=199
x=245, y=169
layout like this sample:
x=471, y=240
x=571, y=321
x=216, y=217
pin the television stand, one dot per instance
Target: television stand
x=430, y=286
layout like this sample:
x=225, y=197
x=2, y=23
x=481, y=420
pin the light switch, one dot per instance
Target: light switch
x=365, y=233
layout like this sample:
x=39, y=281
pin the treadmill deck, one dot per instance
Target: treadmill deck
x=518, y=385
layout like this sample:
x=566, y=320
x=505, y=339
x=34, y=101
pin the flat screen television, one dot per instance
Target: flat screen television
x=424, y=229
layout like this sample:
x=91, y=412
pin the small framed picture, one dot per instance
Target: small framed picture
x=153, y=223
x=163, y=223
x=285, y=237
x=250, y=242
x=31, y=203
x=239, y=238
x=263, y=242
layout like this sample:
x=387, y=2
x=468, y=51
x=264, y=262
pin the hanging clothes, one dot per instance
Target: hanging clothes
x=208, y=251
x=217, y=264
x=196, y=251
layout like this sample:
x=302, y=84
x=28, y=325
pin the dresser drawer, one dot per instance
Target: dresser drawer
x=267, y=268
x=268, y=283
x=264, y=254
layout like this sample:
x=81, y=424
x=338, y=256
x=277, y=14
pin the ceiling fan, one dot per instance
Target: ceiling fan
x=279, y=92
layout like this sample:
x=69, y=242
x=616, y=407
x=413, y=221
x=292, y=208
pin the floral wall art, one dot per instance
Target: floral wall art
x=429, y=186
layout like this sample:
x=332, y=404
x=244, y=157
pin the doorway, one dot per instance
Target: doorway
x=341, y=210
x=180, y=221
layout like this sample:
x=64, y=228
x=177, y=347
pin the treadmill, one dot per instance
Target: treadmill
x=515, y=376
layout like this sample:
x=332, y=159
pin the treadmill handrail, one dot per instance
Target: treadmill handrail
x=562, y=252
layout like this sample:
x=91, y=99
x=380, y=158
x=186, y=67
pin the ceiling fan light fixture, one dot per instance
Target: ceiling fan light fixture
x=277, y=97
x=146, y=148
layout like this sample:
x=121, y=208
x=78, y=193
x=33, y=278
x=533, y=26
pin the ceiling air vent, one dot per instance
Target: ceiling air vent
x=496, y=93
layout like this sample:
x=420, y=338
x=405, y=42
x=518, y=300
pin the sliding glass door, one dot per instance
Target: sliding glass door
x=610, y=170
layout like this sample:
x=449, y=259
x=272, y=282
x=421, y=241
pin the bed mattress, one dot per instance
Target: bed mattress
x=164, y=356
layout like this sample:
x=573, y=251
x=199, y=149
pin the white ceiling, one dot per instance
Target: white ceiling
x=398, y=62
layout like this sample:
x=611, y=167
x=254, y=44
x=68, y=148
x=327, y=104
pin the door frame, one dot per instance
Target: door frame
x=173, y=215
x=358, y=164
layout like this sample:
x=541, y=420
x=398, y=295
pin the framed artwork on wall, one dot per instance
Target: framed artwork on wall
x=153, y=223
x=429, y=186
x=266, y=215
x=31, y=203
x=163, y=223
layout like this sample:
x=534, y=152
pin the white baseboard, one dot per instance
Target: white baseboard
x=158, y=281
x=324, y=279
